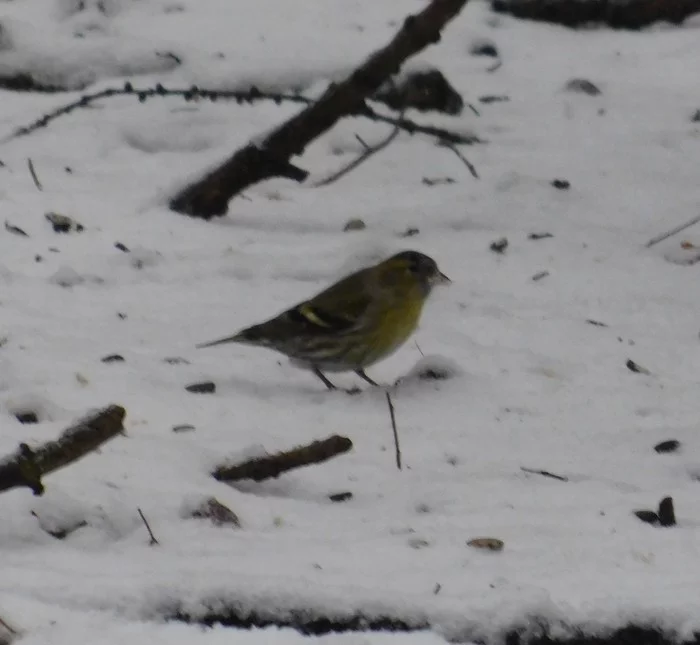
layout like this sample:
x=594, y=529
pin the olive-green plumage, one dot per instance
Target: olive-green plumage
x=358, y=321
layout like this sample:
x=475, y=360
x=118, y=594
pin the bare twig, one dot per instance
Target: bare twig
x=544, y=473
x=153, y=541
x=451, y=146
x=366, y=154
x=249, y=95
x=495, y=67
x=32, y=172
x=363, y=143
x=392, y=415
x=673, y=231
x=27, y=466
x=270, y=466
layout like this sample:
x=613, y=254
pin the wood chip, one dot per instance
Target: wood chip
x=488, y=543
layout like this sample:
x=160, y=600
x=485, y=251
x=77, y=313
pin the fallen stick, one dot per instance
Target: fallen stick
x=28, y=465
x=271, y=466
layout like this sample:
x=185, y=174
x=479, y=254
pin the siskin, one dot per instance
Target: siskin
x=358, y=321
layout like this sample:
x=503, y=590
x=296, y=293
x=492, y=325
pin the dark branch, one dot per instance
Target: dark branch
x=271, y=466
x=209, y=197
x=27, y=466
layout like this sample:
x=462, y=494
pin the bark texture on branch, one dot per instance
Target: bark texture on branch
x=209, y=197
x=28, y=465
x=271, y=466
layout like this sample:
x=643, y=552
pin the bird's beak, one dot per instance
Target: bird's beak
x=441, y=278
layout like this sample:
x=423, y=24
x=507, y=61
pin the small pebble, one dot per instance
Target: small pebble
x=484, y=48
x=667, y=515
x=184, y=427
x=499, y=246
x=63, y=223
x=670, y=445
x=582, y=86
x=434, y=374
x=27, y=417
x=206, y=387
x=636, y=368
x=488, y=543
x=650, y=517
x=176, y=360
x=340, y=497
x=355, y=224
x=493, y=98
x=212, y=509
x=121, y=247
x=112, y=358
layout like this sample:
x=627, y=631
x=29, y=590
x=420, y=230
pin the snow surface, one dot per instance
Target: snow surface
x=532, y=383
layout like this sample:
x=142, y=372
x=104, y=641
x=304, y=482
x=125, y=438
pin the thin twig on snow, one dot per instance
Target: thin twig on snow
x=672, y=232
x=392, y=416
x=364, y=155
x=153, y=541
x=451, y=146
x=32, y=172
x=544, y=473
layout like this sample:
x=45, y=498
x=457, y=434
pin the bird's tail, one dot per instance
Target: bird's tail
x=249, y=336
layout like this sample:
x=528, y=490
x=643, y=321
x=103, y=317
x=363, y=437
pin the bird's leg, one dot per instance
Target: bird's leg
x=322, y=376
x=364, y=377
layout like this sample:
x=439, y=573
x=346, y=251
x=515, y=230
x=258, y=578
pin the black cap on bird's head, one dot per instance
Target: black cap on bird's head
x=422, y=266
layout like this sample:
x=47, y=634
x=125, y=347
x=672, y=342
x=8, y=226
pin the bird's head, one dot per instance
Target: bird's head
x=413, y=266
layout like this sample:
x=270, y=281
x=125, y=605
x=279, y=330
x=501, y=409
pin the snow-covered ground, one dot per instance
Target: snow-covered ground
x=537, y=386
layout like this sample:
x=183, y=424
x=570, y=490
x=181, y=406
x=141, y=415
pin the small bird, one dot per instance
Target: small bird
x=356, y=322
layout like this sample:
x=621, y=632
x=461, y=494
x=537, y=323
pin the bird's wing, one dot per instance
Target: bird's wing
x=339, y=308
